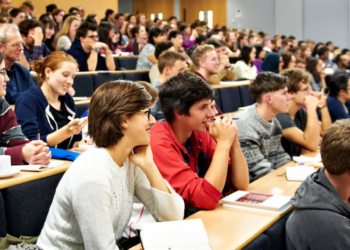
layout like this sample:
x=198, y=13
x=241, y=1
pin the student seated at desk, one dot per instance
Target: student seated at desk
x=322, y=202
x=245, y=68
x=12, y=140
x=259, y=131
x=301, y=128
x=339, y=97
x=48, y=111
x=191, y=150
x=94, y=199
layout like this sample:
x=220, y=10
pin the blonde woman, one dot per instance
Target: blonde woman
x=66, y=35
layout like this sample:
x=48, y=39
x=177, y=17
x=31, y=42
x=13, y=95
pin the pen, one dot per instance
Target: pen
x=38, y=134
x=233, y=118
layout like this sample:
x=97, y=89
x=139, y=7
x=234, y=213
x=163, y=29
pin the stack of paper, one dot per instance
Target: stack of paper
x=298, y=173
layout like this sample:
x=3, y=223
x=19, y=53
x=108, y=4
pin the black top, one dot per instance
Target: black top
x=61, y=118
x=300, y=121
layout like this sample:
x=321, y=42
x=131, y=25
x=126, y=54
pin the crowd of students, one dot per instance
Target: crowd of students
x=167, y=142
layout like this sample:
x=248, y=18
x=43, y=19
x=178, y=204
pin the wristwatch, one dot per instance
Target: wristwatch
x=96, y=49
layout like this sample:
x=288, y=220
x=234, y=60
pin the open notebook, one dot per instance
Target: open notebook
x=175, y=235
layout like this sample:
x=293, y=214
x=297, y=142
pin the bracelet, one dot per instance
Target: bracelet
x=323, y=106
x=108, y=53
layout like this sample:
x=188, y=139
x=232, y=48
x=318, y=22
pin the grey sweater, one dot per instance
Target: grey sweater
x=260, y=142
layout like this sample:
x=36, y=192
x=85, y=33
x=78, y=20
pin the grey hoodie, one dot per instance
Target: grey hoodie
x=321, y=218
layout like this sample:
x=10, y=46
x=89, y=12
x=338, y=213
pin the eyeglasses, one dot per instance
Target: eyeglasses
x=93, y=37
x=147, y=112
x=3, y=73
x=16, y=45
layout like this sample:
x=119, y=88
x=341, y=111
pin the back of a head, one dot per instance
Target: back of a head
x=266, y=82
x=161, y=47
x=50, y=8
x=84, y=28
x=200, y=54
x=337, y=83
x=271, y=62
x=15, y=11
x=168, y=58
x=200, y=39
x=180, y=92
x=26, y=25
x=335, y=147
x=108, y=12
x=214, y=42
x=322, y=50
x=174, y=34
x=53, y=62
x=294, y=77
x=109, y=104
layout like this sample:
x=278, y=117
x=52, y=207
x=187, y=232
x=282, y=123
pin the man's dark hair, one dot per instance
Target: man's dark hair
x=241, y=37
x=285, y=41
x=180, y=92
x=183, y=26
x=344, y=51
x=245, y=54
x=50, y=8
x=72, y=9
x=337, y=83
x=262, y=34
x=108, y=12
x=322, y=50
x=116, y=17
x=328, y=43
x=174, y=34
x=200, y=39
x=291, y=37
x=266, y=82
x=194, y=25
x=300, y=42
x=338, y=58
x=155, y=32
x=171, y=18
x=161, y=47
x=83, y=29
x=26, y=25
x=214, y=42
x=15, y=11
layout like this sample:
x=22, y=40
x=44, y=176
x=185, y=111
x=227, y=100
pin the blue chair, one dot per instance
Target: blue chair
x=245, y=96
x=262, y=242
x=217, y=98
x=27, y=205
x=277, y=233
x=83, y=85
x=137, y=76
x=230, y=99
x=127, y=63
x=99, y=79
x=3, y=230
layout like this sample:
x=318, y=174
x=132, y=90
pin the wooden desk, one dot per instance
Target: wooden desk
x=24, y=176
x=82, y=102
x=231, y=84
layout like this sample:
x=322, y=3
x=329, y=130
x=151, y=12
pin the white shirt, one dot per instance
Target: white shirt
x=242, y=70
x=93, y=203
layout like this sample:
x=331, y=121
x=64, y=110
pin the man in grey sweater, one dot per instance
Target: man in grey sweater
x=321, y=217
x=259, y=132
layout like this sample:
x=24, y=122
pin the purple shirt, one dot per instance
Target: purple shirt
x=258, y=65
x=189, y=43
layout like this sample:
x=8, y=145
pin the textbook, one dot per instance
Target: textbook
x=258, y=202
x=175, y=235
x=298, y=173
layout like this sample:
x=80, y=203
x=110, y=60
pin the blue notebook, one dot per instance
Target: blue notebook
x=62, y=154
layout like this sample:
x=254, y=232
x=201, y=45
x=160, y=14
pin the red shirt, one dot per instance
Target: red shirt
x=187, y=179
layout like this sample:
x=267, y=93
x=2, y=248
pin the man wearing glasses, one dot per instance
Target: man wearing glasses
x=11, y=45
x=86, y=50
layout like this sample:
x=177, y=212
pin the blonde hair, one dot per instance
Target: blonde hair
x=200, y=54
x=64, y=31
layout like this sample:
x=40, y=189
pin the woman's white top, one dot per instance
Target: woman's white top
x=242, y=70
x=63, y=43
x=94, y=200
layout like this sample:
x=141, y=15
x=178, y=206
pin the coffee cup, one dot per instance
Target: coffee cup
x=5, y=164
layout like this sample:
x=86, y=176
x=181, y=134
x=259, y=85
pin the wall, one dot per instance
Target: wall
x=90, y=6
x=326, y=20
x=148, y=7
x=289, y=18
x=256, y=15
x=125, y=6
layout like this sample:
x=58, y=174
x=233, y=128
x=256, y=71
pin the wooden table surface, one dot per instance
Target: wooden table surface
x=24, y=176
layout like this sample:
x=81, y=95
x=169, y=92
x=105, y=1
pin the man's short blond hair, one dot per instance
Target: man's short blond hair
x=200, y=54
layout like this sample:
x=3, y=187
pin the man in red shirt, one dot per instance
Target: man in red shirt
x=192, y=149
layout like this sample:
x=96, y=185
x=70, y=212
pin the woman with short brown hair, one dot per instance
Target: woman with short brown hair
x=94, y=200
